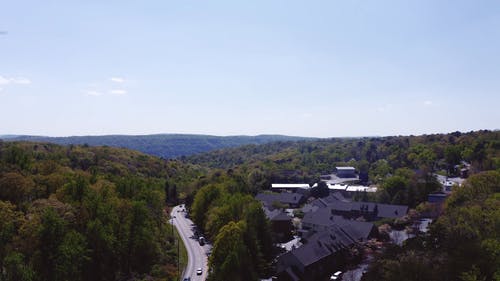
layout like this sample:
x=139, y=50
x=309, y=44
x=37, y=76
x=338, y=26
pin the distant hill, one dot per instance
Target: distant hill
x=163, y=145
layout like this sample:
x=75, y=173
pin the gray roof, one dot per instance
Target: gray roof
x=329, y=200
x=285, y=198
x=383, y=210
x=322, y=245
x=356, y=229
x=276, y=214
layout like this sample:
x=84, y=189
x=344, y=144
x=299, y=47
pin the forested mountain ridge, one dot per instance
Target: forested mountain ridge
x=166, y=146
x=86, y=213
x=377, y=155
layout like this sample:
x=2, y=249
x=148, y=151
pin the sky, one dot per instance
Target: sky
x=304, y=68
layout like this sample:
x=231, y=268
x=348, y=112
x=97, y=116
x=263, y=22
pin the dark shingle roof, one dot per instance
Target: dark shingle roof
x=381, y=210
x=323, y=217
x=284, y=198
x=322, y=245
x=392, y=211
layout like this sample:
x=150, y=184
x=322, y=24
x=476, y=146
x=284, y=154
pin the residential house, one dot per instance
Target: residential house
x=290, y=200
x=281, y=223
x=322, y=253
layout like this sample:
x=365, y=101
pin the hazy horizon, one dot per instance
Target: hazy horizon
x=225, y=68
x=212, y=135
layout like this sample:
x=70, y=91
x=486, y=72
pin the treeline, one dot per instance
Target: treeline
x=85, y=213
x=229, y=216
x=463, y=244
x=167, y=146
x=402, y=166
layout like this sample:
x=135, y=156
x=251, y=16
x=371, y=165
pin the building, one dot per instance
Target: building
x=281, y=223
x=302, y=188
x=370, y=211
x=324, y=219
x=322, y=253
x=289, y=200
x=346, y=172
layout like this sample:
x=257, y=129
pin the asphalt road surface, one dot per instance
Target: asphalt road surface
x=197, y=254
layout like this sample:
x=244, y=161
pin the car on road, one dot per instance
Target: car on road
x=187, y=279
x=336, y=275
x=199, y=271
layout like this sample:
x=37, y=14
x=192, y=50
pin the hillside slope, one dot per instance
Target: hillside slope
x=162, y=145
x=86, y=213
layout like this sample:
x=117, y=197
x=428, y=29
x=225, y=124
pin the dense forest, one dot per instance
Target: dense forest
x=463, y=244
x=85, y=213
x=166, y=146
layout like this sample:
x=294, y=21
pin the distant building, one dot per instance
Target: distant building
x=302, y=188
x=368, y=210
x=346, y=172
x=290, y=200
x=323, y=220
x=346, y=189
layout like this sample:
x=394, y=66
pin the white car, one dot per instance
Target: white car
x=199, y=271
x=336, y=275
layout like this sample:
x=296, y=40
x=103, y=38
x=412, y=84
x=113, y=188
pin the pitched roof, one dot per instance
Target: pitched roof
x=282, y=216
x=392, y=211
x=322, y=245
x=285, y=198
x=356, y=229
x=381, y=210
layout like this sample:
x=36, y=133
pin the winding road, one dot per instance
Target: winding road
x=197, y=254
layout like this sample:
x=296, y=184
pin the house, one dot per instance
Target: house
x=370, y=211
x=324, y=219
x=322, y=253
x=281, y=223
x=346, y=172
x=291, y=200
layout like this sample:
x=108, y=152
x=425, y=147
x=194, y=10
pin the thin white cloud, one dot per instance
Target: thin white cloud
x=117, y=79
x=428, y=103
x=14, y=80
x=21, y=80
x=4, y=81
x=93, y=93
x=118, y=92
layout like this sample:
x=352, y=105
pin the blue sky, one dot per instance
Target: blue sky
x=309, y=68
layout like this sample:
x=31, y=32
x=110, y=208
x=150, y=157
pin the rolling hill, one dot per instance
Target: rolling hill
x=162, y=145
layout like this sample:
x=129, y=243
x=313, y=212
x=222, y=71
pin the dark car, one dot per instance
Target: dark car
x=187, y=279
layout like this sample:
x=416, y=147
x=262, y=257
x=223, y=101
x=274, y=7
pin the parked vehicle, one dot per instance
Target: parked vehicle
x=336, y=275
x=201, y=240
